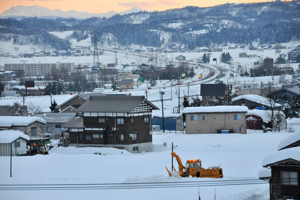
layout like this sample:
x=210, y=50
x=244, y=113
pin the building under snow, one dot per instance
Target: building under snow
x=285, y=169
x=13, y=142
x=215, y=119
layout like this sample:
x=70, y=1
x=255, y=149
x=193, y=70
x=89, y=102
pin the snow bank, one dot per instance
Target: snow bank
x=289, y=140
x=87, y=150
x=290, y=153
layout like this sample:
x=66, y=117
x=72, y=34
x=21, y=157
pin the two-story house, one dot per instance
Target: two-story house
x=215, y=119
x=119, y=121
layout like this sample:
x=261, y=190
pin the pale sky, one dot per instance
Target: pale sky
x=103, y=6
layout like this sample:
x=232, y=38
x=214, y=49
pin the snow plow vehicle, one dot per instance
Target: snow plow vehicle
x=194, y=168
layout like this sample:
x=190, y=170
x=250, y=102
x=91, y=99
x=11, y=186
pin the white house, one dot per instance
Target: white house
x=17, y=139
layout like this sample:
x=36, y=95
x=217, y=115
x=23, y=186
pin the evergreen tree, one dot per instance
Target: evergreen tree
x=280, y=60
x=205, y=58
x=225, y=57
x=53, y=88
x=185, y=102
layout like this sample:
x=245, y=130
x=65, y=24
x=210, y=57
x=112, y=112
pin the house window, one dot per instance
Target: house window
x=17, y=144
x=289, y=178
x=120, y=120
x=237, y=117
x=146, y=120
x=131, y=120
x=88, y=137
x=96, y=136
x=203, y=117
x=57, y=126
x=193, y=118
x=133, y=136
x=121, y=137
x=101, y=120
x=135, y=149
x=33, y=131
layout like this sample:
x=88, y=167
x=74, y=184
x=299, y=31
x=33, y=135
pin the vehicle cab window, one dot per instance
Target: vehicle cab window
x=198, y=165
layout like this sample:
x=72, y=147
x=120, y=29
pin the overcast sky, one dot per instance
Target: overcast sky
x=103, y=6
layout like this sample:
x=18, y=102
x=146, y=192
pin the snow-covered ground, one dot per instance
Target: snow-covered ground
x=106, y=173
x=78, y=173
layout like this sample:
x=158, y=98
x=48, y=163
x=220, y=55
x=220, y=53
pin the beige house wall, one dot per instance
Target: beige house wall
x=214, y=121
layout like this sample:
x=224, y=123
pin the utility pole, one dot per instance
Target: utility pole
x=172, y=166
x=162, y=110
x=178, y=98
x=188, y=89
x=11, y=159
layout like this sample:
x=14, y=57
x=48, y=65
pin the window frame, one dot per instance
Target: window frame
x=88, y=137
x=33, y=131
x=237, y=116
x=120, y=121
x=17, y=144
x=286, y=178
x=146, y=120
x=101, y=120
x=193, y=117
x=121, y=137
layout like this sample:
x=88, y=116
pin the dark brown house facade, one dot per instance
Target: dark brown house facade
x=285, y=179
x=285, y=169
x=119, y=121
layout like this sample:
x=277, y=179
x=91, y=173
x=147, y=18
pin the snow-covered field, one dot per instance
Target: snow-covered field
x=106, y=173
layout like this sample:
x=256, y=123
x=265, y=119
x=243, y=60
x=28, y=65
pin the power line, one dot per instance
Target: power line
x=119, y=186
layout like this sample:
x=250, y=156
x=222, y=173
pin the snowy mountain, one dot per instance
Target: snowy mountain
x=191, y=27
x=42, y=12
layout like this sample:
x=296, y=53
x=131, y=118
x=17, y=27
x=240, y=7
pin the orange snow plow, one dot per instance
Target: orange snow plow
x=194, y=168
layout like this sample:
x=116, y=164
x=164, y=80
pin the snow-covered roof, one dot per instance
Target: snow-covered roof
x=8, y=136
x=264, y=173
x=290, y=153
x=39, y=103
x=215, y=109
x=264, y=114
x=255, y=98
x=9, y=121
x=289, y=140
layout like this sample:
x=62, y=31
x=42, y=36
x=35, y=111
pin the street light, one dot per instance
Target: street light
x=162, y=110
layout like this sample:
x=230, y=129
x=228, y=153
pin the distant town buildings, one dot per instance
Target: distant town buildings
x=39, y=69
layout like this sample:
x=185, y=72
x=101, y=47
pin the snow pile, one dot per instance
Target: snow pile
x=215, y=109
x=290, y=153
x=9, y=121
x=87, y=151
x=8, y=136
x=289, y=140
